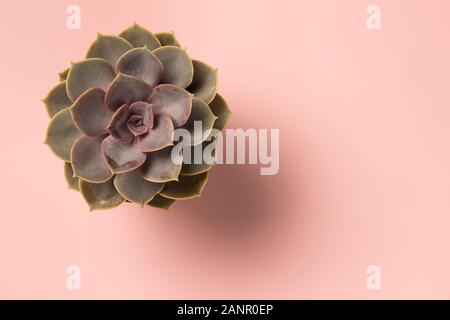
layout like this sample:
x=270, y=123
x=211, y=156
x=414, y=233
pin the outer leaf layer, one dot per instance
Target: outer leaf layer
x=204, y=83
x=190, y=167
x=87, y=74
x=72, y=182
x=133, y=187
x=109, y=48
x=161, y=202
x=200, y=122
x=62, y=134
x=140, y=37
x=63, y=74
x=187, y=187
x=178, y=69
x=100, y=196
x=57, y=99
x=167, y=39
x=220, y=108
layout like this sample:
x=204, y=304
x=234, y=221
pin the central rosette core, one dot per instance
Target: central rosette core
x=130, y=121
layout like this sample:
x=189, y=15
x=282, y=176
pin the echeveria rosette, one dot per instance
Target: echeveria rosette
x=113, y=115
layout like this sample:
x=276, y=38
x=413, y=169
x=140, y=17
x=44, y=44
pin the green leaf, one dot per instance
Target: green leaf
x=140, y=37
x=87, y=74
x=161, y=202
x=178, y=69
x=100, y=196
x=133, y=187
x=204, y=83
x=167, y=39
x=57, y=99
x=186, y=188
x=62, y=134
x=109, y=48
x=72, y=182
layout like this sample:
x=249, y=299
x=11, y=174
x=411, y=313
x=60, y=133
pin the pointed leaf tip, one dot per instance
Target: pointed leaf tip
x=87, y=74
x=167, y=39
x=100, y=196
x=142, y=64
x=204, y=82
x=188, y=187
x=178, y=68
x=140, y=37
x=62, y=134
x=161, y=202
x=220, y=108
x=133, y=187
x=200, y=113
x=72, y=181
x=57, y=99
x=109, y=48
x=161, y=167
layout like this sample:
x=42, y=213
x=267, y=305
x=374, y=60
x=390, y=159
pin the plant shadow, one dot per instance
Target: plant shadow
x=241, y=215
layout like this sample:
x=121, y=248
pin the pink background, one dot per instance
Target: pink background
x=365, y=159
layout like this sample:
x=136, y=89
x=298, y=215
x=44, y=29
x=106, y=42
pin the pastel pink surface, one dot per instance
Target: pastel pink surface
x=364, y=171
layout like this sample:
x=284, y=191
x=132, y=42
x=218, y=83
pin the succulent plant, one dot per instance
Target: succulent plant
x=113, y=115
